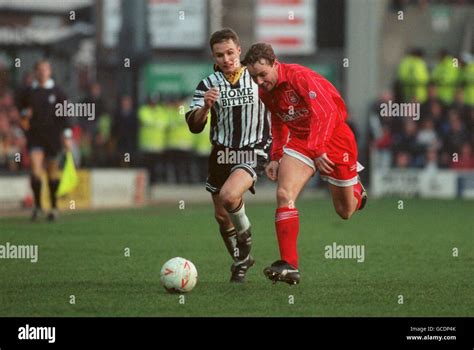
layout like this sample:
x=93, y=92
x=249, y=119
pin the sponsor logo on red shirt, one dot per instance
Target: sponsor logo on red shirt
x=297, y=113
x=292, y=97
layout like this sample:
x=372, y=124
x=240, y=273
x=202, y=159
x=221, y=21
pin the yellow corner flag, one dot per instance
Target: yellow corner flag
x=69, y=178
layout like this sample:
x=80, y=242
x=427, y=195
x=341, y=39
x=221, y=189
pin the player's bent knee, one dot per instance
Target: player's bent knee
x=222, y=220
x=284, y=196
x=229, y=199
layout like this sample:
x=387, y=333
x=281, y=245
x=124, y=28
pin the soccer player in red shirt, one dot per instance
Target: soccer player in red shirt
x=309, y=134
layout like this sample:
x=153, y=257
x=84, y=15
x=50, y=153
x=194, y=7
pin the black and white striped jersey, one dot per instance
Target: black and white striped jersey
x=238, y=119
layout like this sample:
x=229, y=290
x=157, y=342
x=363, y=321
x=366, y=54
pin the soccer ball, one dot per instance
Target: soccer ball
x=178, y=275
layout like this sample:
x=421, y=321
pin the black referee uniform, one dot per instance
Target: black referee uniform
x=45, y=134
x=45, y=128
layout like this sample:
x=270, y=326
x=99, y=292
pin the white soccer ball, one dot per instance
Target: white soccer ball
x=178, y=275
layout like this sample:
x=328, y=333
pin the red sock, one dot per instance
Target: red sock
x=357, y=188
x=287, y=225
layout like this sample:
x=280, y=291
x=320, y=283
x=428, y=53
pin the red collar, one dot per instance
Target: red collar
x=282, y=78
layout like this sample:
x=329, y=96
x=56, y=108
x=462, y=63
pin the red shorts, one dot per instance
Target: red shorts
x=341, y=150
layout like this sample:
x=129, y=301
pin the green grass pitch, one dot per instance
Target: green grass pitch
x=408, y=253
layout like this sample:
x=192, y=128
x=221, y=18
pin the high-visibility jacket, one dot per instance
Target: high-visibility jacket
x=179, y=135
x=414, y=75
x=153, y=125
x=202, y=142
x=446, y=77
x=468, y=80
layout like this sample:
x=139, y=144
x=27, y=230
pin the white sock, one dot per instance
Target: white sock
x=240, y=220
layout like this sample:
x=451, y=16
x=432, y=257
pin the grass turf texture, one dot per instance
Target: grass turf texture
x=408, y=252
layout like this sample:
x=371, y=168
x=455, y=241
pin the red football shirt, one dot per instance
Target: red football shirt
x=304, y=104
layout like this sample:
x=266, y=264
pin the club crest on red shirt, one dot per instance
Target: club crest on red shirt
x=292, y=97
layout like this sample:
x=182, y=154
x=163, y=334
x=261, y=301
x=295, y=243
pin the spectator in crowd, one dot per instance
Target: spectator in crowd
x=405, y=143
x=431, y=160
x=102, y=142
x=470, y=124
x=427, y=137
x=403, y=160
x=431, y=100
x=413, y=76
x=456, y=135
x=376, y=122
x=446, y=77
x=436, y=114
x=468, y=82
x=465, y=159
x=125, y=130
x=153, y=124
x=180, y=144
x=459, y=106
x=95, y=132
x=202, y=149
x=94, y=96
x=383, y=145
x=13, y=151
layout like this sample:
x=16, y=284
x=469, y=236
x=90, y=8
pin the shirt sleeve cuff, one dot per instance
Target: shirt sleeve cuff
x=276, y=156
x=319, y=152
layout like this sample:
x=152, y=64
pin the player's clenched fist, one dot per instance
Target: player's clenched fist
x=211, y=96
x=272, y=170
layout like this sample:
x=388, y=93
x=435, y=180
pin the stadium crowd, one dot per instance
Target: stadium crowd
x=442, y=135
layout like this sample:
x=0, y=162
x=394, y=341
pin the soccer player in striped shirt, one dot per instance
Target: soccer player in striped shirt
x=241, y=139
x=310, y=134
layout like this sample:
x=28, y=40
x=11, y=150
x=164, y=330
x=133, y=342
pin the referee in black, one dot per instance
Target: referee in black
x=46, y=133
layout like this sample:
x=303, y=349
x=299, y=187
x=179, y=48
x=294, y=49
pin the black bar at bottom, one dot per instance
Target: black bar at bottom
x=443, y=333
